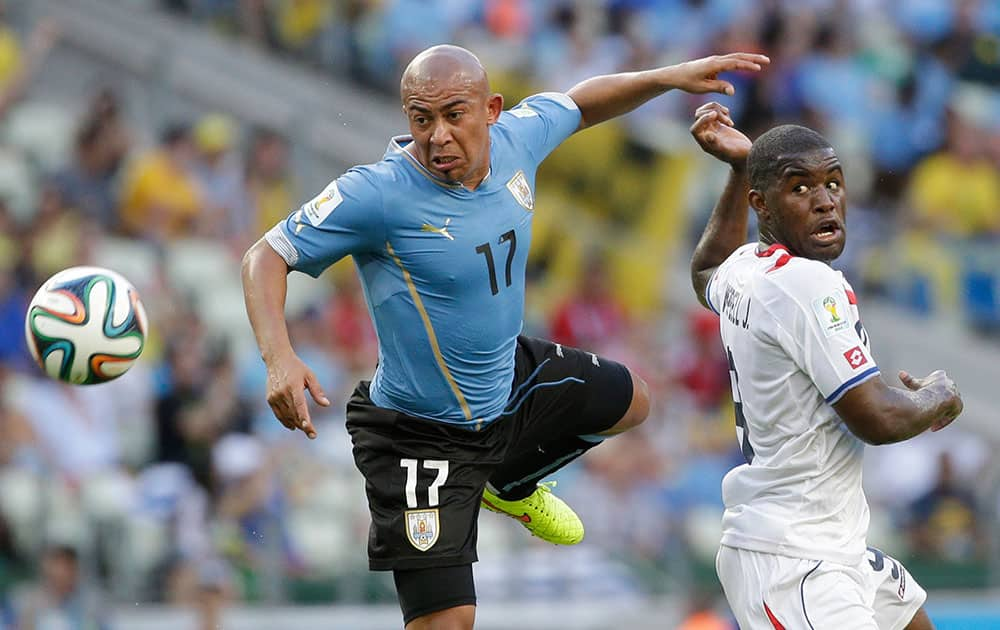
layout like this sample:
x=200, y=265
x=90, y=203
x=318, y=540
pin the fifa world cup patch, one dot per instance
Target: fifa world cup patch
x=856, y=357
x=422, y=528
x=518, y=186
x=323, y=204
x=831, y=311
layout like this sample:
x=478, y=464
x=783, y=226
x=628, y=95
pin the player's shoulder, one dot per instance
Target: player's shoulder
x=537, y=105
x=375, y=178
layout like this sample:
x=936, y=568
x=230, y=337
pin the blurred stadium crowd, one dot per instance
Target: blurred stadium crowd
x=175, y=483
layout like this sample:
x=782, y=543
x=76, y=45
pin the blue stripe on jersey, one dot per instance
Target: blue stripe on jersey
x=527, y=381
x=520, y=402
x=855, y=380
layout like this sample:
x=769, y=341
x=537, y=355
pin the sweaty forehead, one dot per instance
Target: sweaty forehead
x=444, y=73
x=431, y=89
x=817, y=161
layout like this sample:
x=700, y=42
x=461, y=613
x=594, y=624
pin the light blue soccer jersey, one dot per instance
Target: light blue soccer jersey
x=442, y=266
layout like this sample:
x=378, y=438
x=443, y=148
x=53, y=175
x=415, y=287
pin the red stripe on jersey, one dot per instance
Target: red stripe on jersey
x=782, y=259
x=774, y=620
x=851, y=298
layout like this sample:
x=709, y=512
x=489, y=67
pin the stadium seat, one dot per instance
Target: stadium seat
x=199, y=266
x=17, y=184
x=43, y=132
x=135, y=259
x=21, y=503
x=107, y=496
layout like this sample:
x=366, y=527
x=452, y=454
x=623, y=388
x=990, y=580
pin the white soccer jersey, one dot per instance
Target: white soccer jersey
x=795, y=343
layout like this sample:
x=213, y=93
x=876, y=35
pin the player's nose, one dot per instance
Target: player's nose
x=824, y=201
x=441, y=134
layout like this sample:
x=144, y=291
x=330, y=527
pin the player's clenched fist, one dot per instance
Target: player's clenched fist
x=287, y=380
x=941, y=390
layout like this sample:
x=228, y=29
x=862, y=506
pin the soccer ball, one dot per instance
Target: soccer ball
x=86, y=325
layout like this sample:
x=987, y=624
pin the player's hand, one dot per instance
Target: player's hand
x=701, y=75
x=944, y=392
x=715, y=133
x=288, y=378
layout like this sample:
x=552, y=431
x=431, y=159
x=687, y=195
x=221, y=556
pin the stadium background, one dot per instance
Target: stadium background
x=160, y=138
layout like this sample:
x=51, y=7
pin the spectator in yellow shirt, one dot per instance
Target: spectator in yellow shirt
x=269, y=184
x=957, y=191
x=160, y=196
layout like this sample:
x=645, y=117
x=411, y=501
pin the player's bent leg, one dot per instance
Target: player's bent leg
x=638, y=409
x=566, y=401
x=438, y=598
x=920, y=621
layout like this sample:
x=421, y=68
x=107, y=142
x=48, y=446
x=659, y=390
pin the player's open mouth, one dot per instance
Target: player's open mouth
x=445, y=163
x=827, y=232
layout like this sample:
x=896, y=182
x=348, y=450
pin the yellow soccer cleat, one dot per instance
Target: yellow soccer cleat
x=543, y=514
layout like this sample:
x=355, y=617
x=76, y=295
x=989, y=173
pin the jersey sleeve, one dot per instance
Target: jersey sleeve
x=345, y=218
x=813, y=325
x=713, y=295
x=543, y=121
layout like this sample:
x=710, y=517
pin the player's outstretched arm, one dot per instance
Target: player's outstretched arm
x=265, y=285
x=880, y=414
x=607, y=96
x=726, y=230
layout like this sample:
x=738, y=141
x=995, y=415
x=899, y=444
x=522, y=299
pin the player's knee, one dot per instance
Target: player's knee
x=638, y=410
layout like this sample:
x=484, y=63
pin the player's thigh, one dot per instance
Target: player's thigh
x=424, y=481
x=896, y=596
x=559, y=390
x=767, y=591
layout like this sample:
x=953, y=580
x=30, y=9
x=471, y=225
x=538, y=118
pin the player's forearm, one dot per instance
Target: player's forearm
x=265, y=286
x=895, y=414
x=608, y=96
x=725, y=232
x=912, y=413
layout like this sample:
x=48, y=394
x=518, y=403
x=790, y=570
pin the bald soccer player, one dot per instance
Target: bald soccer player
x=461, y=410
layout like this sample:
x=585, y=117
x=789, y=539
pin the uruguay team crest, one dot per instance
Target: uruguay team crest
x=422, y=528
x=518, y=186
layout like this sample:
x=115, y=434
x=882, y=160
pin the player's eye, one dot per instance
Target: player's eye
x=833, y=185
x=454, y=115
x=420, y=120
x=800, y=189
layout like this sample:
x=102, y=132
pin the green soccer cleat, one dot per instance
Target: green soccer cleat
x=543, y=514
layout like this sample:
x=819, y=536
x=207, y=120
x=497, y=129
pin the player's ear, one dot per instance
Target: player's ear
x=759, y=204
x=494, y=106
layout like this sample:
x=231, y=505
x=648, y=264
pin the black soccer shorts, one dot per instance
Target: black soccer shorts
x=424, y=479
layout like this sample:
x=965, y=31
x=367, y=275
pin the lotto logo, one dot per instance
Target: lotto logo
x=856, y=357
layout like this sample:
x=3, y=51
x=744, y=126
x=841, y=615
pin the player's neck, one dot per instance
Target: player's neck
x=474, y=180
x=765, y=240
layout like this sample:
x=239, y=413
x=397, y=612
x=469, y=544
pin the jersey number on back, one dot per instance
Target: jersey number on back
x=742, y=429
x=509, y=237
